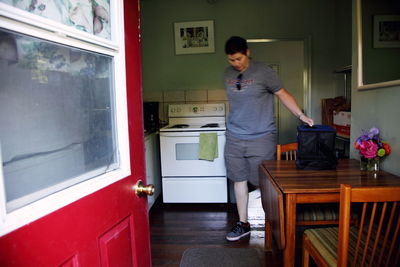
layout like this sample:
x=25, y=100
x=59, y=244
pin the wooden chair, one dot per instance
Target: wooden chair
x=290, y=151
x=307, y=215
x=374, y=241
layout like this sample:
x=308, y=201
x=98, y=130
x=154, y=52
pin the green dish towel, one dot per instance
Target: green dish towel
x=208, y=146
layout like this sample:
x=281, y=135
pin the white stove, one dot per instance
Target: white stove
x=186, y=178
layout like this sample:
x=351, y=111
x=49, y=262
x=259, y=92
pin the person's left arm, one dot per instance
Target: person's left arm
x=288, y=100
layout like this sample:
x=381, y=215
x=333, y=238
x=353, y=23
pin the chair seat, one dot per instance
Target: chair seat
x=325, y=240
x=319, y=212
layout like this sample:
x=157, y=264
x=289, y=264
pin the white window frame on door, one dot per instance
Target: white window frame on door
x=23, y=22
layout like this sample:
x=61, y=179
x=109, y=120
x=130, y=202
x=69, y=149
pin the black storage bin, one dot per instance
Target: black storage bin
x=316, y=147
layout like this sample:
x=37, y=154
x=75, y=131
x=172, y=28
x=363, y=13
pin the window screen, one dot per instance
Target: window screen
x=57, y=125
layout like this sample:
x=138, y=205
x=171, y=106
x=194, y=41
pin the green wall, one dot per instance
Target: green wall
x=376, y=108
x=326, y=23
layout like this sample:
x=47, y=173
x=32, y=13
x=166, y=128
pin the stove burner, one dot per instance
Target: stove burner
x=210, y=125
x=179, y=126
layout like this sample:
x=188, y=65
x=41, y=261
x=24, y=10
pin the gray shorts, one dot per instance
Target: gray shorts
x=243, y=157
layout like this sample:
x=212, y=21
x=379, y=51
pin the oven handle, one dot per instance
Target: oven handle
x=187, y=134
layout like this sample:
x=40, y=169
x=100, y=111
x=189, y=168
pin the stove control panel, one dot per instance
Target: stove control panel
x=196, y=110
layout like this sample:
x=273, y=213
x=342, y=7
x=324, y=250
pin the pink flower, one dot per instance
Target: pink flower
x=368, y=149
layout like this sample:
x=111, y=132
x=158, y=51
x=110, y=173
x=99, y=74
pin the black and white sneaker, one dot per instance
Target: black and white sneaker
x=238, y=231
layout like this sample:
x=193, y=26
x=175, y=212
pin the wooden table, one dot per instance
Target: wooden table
x=283, y=187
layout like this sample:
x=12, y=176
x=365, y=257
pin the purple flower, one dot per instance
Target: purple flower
x=373, y=132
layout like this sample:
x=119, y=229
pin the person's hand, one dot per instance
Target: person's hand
x=306, y=120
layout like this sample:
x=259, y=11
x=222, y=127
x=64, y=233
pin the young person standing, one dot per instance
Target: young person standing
x=251, y=129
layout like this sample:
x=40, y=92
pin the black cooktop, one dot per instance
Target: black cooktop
x=179, y=126
x=210, y=125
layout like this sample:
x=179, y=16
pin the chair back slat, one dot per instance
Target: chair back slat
x=359, y=237
x=392, y=213
x=393, y=244
x=290, y=155
x=379, y=231
x=368, y=238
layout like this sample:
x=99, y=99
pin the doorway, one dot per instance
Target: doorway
x=290, y=59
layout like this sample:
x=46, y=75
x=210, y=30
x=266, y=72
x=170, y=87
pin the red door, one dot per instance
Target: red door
x=109, y=227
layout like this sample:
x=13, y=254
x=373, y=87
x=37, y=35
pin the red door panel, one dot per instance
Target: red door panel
x=109, y=227
x=71, y=262
x=116, y=245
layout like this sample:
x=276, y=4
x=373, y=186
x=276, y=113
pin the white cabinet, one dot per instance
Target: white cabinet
x=153, y=174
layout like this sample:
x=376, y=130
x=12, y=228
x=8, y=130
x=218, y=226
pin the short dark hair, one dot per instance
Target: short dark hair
x=236, y=44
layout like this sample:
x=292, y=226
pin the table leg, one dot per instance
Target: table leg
x=290, y=230
x=267, y=235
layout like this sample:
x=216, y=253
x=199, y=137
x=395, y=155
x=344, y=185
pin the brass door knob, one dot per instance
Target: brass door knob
x=142, y=190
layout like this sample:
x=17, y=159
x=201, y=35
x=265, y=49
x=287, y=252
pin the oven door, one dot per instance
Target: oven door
x=179, y=155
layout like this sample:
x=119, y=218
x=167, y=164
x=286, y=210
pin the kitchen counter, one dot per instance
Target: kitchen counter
x=152, y=158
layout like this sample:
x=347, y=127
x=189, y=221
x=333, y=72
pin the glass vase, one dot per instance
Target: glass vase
x=369, y=164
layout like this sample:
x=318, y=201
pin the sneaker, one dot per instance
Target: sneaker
x=238, y=231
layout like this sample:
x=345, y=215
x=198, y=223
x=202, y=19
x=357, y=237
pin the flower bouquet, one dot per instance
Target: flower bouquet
x=372, y=149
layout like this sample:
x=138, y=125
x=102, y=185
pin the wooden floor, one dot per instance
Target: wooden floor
x=176, y=227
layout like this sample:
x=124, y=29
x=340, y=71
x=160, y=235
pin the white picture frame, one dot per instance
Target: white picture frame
x=194, y=37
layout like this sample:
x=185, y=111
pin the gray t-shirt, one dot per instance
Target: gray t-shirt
x=251, y=109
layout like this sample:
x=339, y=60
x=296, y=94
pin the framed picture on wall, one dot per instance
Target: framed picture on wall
x=386, y=31
x=194, y=37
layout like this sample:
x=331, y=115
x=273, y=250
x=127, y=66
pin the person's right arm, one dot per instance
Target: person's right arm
x=288, y=100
